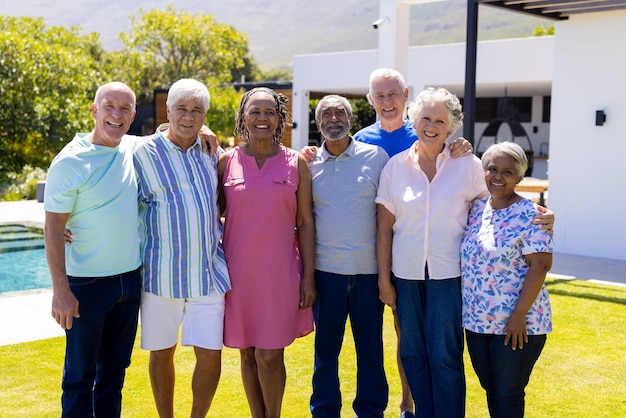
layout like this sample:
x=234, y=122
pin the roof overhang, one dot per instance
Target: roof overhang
x=557, y=9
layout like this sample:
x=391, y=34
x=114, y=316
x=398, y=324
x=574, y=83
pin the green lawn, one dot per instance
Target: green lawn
x=581, y=373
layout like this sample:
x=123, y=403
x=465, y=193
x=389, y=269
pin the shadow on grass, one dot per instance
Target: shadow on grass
x=582, y=289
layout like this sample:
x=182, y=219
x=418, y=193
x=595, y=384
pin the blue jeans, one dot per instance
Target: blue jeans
x=340, y=296
x=431, y=345
x=502, y=372
x=99, y=345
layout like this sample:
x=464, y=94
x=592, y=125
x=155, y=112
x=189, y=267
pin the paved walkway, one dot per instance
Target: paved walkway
x=25, y=212
x=25, y=316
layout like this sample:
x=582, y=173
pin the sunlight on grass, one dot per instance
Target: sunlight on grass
x=581, y=372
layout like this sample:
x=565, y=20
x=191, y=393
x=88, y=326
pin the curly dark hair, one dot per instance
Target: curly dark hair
x=284, y=119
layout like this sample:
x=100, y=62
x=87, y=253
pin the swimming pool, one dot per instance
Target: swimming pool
x=22, y=259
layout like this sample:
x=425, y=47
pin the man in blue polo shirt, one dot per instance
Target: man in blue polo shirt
x=345, y=176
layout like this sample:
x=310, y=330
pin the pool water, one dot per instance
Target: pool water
x=22, y=259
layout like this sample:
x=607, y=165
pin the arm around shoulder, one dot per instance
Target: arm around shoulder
x=545, y=219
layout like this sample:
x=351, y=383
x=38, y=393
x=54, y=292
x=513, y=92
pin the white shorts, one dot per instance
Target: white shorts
x=202, y=319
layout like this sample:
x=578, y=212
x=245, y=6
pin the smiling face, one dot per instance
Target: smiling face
x=334, y=120
x=113, y=111
x=501, y=176
x=432, y=125
x=389, y=101
x=186, y=117
x=260, y=116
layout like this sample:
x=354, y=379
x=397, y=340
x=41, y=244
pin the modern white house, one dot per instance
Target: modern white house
x=576, y=80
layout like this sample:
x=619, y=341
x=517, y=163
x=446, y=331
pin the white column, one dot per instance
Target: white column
x=393, y=35
x=300, y=115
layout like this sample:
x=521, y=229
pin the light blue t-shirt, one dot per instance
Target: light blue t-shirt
x=392, y=142
x=97, y=186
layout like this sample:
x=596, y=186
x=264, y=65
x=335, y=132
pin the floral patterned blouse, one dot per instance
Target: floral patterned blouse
x=493, y=266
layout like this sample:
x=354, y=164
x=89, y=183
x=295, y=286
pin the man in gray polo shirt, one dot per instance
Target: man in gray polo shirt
x=345, y=176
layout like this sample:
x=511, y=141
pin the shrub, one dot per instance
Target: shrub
x=19, y=186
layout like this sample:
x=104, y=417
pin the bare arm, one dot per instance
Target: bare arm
x=221, y=167
x=384, y=237
x=306, y=234
x=538, y=266
x=64, y=303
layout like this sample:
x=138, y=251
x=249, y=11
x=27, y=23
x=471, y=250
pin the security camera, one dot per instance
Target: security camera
x=380, y=22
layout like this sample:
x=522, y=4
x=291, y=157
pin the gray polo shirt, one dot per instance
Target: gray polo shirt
x=344, y=189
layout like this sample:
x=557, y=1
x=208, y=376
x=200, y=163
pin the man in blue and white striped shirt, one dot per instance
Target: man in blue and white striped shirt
x=184, y=270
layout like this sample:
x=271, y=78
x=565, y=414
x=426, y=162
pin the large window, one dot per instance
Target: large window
x=518, y=108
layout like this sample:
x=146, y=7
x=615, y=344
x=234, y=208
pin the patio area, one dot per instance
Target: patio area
x=28, y=312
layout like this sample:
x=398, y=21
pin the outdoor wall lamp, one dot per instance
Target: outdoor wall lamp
x=600, y=117
x=380, y=22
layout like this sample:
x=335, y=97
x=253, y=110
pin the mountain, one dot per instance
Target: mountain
x=280, y=29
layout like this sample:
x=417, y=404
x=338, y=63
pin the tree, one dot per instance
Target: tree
x=364, y=113
x=48, y=76
x=222, y=111
x=170, y=44
x=276, y=74
x=47, y=80
x=249, y=72
x=167, y=45
x=541, y=31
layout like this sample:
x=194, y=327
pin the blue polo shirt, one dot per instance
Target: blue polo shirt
x=392, y=142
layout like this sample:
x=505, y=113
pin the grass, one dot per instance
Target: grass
x=581, y=372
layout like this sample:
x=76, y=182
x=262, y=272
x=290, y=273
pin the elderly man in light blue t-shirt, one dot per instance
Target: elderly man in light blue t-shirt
x=96, y=283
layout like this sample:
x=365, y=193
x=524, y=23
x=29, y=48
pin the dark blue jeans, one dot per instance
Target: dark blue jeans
x=431, y=345
x=502, y=372
x=340, y=296
x=99, y=345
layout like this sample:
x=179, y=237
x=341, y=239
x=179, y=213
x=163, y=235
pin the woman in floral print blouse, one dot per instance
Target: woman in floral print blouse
x=504, y=261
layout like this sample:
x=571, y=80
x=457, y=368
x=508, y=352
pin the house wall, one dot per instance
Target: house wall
x=523, y=66
x=583, y=67
x=587, y=175
x=333, y=73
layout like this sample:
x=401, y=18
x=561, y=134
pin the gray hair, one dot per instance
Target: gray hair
x=511, y=149
x=346, y=102
x=387, y=73
x=438, y=95
x=188, y=88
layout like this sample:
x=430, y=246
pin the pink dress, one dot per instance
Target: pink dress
x=262, y=309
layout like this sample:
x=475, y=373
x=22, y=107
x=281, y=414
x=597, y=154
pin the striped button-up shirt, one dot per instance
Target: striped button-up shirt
x=179, y=223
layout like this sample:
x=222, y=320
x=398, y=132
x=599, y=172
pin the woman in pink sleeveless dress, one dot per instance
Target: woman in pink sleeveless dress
x=269, y=241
